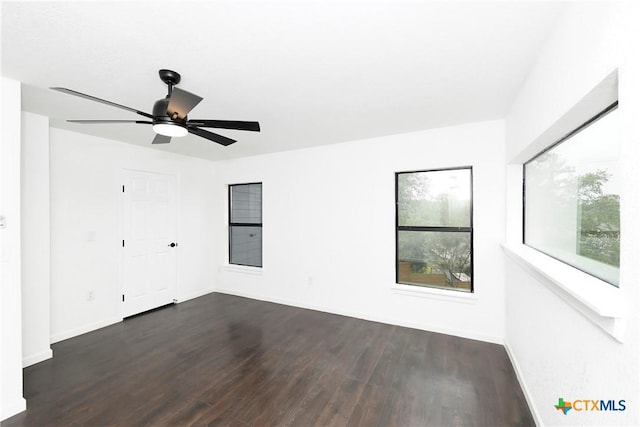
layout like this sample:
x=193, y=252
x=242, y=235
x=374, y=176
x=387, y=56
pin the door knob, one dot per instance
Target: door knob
x=173, y=245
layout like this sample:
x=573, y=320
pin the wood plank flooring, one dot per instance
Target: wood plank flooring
x=222, y=360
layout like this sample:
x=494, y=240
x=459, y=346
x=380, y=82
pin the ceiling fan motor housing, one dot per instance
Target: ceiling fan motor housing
x=164, y=124
x=160, y=113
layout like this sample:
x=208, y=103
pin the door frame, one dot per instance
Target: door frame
x=120, y=220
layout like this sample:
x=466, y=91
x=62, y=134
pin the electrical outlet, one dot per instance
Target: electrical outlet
x=310, y=281
x=91, y=296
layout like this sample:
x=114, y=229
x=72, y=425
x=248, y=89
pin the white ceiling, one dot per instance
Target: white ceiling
x=311, y=72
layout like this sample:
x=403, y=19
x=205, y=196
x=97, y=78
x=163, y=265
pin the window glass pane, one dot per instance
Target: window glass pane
x=246, y=203
x=572, y=201
x=435, y=198
x=440, y=259
x=246, y=245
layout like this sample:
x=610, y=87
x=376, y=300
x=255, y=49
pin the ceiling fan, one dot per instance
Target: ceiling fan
x=169, y=116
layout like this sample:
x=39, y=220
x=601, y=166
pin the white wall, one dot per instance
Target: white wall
x=558, y=351
x=11, y=400
x=86, y=215
x=329, y=229
x=36, y=325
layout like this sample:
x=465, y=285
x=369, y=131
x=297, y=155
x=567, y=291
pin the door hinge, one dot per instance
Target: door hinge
x=122, y=297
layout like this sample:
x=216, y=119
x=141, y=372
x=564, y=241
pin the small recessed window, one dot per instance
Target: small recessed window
x=434, y=234
x=572, y=198
x=245, y=224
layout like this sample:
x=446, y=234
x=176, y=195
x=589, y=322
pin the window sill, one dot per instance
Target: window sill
x=596, y=299
x=244, y=269
x=435, y=293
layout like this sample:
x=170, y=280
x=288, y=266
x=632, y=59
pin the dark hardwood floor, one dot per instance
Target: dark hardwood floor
x=225, y=360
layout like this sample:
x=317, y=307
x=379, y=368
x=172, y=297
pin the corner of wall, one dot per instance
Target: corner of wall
x=523, y=384
x=35, y=238
x=11, y=400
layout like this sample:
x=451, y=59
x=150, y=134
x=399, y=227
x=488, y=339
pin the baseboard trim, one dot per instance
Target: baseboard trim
x=195, y=295
x=61, y=336
x=37, y=357
x=523, y=385
x=13, y=407
x=365, y=316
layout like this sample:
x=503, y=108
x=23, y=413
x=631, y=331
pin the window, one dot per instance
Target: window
x=571, y=198
x=245, y=224
x=434, y=234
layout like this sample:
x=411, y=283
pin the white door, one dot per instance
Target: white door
x=149, y=230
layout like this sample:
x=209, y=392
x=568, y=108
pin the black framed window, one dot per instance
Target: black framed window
x=245, y=224
x=572, y=198
x=434, y=228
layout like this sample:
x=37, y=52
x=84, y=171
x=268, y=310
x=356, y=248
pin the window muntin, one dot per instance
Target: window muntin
x=572, y=201
x=245, y=224
x=434, y=235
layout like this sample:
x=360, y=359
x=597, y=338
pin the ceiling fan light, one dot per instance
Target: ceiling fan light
x=170, y=129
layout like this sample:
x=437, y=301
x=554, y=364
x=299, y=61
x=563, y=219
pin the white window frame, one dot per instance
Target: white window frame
x=595, y=299
x=574, y=260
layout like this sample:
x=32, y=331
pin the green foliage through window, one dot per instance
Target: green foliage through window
x=572, y=201
x=434, y=232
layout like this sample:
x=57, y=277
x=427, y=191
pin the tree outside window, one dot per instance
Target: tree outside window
x=572, y=198
x=434, y=228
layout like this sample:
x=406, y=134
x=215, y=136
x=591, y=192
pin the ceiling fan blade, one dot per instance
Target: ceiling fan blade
x=109, y=121
x=161, y=139
x=103, y=101
x=226, y=124
x=223, y=140
x=181, y=102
